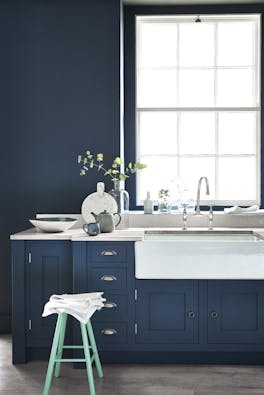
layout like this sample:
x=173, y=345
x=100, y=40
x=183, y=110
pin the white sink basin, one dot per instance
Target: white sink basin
x=199, y=255
x=204, y=235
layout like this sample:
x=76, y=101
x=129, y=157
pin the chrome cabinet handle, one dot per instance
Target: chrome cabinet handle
x=109, y=252
x=214, y=314
x=191, y=314
x=108, y=277
x=110, y=305
x=109, y=331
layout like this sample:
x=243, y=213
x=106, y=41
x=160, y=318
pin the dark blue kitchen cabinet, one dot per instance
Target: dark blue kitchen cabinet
x=167, y=311
x=236, y=312
x=45, y=268
x=48, y=272
x=108, y=267
x=142, y=320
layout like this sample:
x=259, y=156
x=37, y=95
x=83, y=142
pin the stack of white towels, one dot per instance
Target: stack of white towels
x=80, y=306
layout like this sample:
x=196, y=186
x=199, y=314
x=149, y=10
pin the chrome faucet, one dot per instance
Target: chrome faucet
x=197, y=211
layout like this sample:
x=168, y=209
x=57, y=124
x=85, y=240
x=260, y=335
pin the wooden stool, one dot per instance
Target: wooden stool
x=57, y=350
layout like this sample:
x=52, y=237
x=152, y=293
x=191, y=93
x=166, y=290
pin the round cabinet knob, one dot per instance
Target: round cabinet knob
x=110, y=305
x=214, y=314
x=191, y=314
x=108, y=277
x=109, y=331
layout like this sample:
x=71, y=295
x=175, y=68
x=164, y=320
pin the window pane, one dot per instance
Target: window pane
x=196, y=87
x=196, y=44
x=235, y=88
x=157, y=133
x=158, y=45
x=197, y=133
x=237, y=178
x=157, y=88
x=160, y=174
x=237, y=133
x=235, y=44
x=191, y=169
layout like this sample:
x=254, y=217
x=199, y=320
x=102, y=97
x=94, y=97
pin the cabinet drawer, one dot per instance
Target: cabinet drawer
x=104, y=279
x=115, y=308
x=110, y=332
x=107, y=252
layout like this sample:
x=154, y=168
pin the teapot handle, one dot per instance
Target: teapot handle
x=119, y=218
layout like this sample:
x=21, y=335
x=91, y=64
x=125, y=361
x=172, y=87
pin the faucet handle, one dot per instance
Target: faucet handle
x=211, y=217
x=184, y=216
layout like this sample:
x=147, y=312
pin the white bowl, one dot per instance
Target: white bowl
x=53, y=224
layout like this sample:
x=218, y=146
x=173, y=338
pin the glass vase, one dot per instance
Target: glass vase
x=121, y=196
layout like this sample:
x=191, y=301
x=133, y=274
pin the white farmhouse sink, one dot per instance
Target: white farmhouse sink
x=199, y=255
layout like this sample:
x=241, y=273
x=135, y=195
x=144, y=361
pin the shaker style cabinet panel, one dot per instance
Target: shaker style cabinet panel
x=236, y=312
x=167, y=311
x=48, y=272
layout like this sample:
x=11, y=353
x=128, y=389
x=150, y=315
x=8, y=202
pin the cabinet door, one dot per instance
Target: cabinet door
x=167, y=311
x=49, y=272
x=235, y=312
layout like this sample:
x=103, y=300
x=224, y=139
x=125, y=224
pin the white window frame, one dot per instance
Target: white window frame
x=257, y=91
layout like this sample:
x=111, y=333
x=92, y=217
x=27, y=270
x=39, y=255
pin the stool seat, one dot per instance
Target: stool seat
x=89, y=347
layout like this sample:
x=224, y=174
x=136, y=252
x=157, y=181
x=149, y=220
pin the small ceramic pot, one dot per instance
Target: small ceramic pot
x=93, y=229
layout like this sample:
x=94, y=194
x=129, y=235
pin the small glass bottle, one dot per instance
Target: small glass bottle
x=148, y=204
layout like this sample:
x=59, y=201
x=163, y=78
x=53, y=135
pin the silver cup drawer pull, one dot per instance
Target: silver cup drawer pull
x=108, y=277
x=109, y=331
x=110, y=305
x=109, y=252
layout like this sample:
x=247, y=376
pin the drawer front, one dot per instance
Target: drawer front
x=107, y=279
x=110, y=333
x=107, y=252
x=115, y=308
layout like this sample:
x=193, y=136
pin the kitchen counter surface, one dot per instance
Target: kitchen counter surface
x=130, y=234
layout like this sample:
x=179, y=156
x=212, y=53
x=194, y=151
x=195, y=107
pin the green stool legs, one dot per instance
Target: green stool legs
x=61, y=343
x=88, y=359
x=94, y=348
x=53, y=355
x=57, y=351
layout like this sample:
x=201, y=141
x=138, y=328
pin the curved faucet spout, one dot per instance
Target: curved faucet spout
x=198, y=211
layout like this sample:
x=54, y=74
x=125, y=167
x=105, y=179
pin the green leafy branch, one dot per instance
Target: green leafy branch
x=89, y=161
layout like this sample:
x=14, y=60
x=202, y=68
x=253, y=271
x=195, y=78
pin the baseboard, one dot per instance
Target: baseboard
x=5, y=323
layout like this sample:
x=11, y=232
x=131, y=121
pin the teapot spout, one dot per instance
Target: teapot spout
x=95, y=216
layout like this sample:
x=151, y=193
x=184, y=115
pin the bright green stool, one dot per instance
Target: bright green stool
x=57, y=350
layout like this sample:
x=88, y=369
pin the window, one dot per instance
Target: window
x=198, y=105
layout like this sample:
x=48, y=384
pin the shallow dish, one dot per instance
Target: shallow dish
x=53, y=224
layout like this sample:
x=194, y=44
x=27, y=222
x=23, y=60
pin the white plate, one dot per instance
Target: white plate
x=97, y=202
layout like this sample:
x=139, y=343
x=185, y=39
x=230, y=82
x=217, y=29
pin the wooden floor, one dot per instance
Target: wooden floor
x=28, y=379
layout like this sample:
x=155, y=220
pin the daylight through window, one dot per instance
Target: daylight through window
x=198, y=106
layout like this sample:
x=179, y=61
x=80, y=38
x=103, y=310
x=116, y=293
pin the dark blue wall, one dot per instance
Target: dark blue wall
x=59, y=93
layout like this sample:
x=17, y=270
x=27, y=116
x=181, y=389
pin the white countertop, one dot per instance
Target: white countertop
x=130, y=234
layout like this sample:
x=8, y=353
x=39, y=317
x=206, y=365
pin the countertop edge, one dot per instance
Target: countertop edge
x=130, y=234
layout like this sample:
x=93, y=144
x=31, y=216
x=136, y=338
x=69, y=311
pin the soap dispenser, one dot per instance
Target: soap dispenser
x=148, y=204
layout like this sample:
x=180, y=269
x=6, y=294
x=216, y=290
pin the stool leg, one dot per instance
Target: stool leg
x=61, y=343
x=88, y=359
x=94, y=348
x=52, y=355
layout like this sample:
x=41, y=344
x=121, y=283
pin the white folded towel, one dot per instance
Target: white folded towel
x=80, y=306
x=241, y=210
